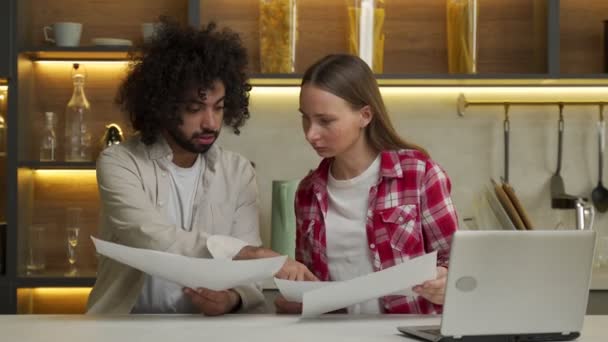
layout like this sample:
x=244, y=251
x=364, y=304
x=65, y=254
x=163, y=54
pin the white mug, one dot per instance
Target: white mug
x=148, y=30
x=65, y=33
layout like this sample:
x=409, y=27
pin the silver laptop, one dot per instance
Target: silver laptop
x=514, y=286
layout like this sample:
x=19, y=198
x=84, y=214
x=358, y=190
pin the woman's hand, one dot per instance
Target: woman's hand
x=434, y=290
x=291, y=270
x=294, y=270
x=285, y=307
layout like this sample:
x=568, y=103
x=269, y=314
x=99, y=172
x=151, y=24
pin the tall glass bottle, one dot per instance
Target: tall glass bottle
x=77, y=131
x=48, y=141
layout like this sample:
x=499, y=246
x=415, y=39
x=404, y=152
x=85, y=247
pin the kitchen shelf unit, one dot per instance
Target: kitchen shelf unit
x=541, y=44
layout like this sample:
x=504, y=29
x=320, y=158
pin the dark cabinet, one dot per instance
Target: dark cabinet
x=6, y=10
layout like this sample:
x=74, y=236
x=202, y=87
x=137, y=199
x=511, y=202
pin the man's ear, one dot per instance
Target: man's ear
x=366, y=116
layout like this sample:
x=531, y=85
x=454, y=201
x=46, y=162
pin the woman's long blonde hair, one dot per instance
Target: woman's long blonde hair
x=351, y=79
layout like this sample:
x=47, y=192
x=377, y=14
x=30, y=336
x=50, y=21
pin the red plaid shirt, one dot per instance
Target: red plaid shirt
x=410, y=213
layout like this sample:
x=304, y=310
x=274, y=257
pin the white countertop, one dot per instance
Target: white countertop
x=249, y=328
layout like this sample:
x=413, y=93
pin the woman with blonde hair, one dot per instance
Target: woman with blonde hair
x=375, y=200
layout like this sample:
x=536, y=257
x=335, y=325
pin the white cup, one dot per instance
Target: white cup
x=64, y=33
x=148, y=30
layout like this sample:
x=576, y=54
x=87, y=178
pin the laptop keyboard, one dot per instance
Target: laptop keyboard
x=434, y=331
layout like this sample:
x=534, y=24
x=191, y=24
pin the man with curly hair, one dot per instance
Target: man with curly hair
x=170, y=187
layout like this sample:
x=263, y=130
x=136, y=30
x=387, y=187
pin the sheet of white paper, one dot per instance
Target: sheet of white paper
x=213, y=274
x=224, y=247
x=374, y=285
x=294, y=291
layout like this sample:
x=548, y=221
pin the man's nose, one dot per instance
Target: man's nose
x=209, y=120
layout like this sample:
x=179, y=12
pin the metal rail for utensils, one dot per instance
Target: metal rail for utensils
x=463, y=103
x=559, y=198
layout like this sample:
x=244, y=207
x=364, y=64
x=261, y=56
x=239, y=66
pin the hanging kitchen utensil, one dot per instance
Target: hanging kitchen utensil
x=600, y=193
x=559, y=198
x=523, y=214
x=508, y=206
x=506, y=128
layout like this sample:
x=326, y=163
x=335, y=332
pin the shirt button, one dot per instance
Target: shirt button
x=372, y=246
x=164, y=174
x=161, y=203
x=401, y=219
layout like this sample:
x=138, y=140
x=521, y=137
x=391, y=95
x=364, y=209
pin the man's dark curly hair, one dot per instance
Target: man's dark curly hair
x=170, y=64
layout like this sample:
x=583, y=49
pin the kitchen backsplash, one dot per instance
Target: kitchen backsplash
x=469, y=148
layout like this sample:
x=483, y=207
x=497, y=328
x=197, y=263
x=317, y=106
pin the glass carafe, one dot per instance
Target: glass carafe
x=462, y=36
x=277, y=36
x=366, y=31
x=77, y=131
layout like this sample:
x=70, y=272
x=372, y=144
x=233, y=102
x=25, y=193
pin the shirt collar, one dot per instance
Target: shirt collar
x=390, y=167
x=160, y=149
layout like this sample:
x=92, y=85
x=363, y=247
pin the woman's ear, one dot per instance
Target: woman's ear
x=365, y=115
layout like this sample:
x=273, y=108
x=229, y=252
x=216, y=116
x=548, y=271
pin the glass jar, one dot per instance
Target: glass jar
x=277, y=36
x=77, y=131
x=366, y=31
x=462, y=36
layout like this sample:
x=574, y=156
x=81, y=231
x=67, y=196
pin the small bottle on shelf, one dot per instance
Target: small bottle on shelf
x=77, y=130
x=48, y=141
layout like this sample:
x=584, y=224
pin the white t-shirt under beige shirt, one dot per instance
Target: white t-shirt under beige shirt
x=347, y=250
x=157, y=294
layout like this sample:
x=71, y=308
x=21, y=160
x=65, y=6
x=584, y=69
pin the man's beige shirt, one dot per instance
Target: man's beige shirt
x=134, y=185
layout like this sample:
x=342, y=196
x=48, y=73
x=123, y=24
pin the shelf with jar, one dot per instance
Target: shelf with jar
x=414, y=33
x=513, y=37
x=417, y=37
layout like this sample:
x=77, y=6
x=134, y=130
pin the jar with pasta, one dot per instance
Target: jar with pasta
x=277, y=36
x=366, y=31
x=462, y=36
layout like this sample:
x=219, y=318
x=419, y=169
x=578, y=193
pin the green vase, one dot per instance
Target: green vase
x=283, y=220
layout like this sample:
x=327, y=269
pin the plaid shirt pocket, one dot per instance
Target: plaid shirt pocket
x=402, y=228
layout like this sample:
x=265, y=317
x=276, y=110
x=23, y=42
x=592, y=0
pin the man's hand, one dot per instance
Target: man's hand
x=213, y=303
x=285, y=307
x=291, y=270
x=434, y=290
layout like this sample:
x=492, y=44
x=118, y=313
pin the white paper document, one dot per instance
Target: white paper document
x=392, y=280
x=214, y=274
x=294, y=291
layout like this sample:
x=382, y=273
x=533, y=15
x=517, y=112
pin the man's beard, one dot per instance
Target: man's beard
x=187, y=144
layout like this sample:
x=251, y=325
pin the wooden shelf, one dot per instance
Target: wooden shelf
x=85, y=53
x=581, y=35
x=38, y=165
x=23, y=282
x=405, y=80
